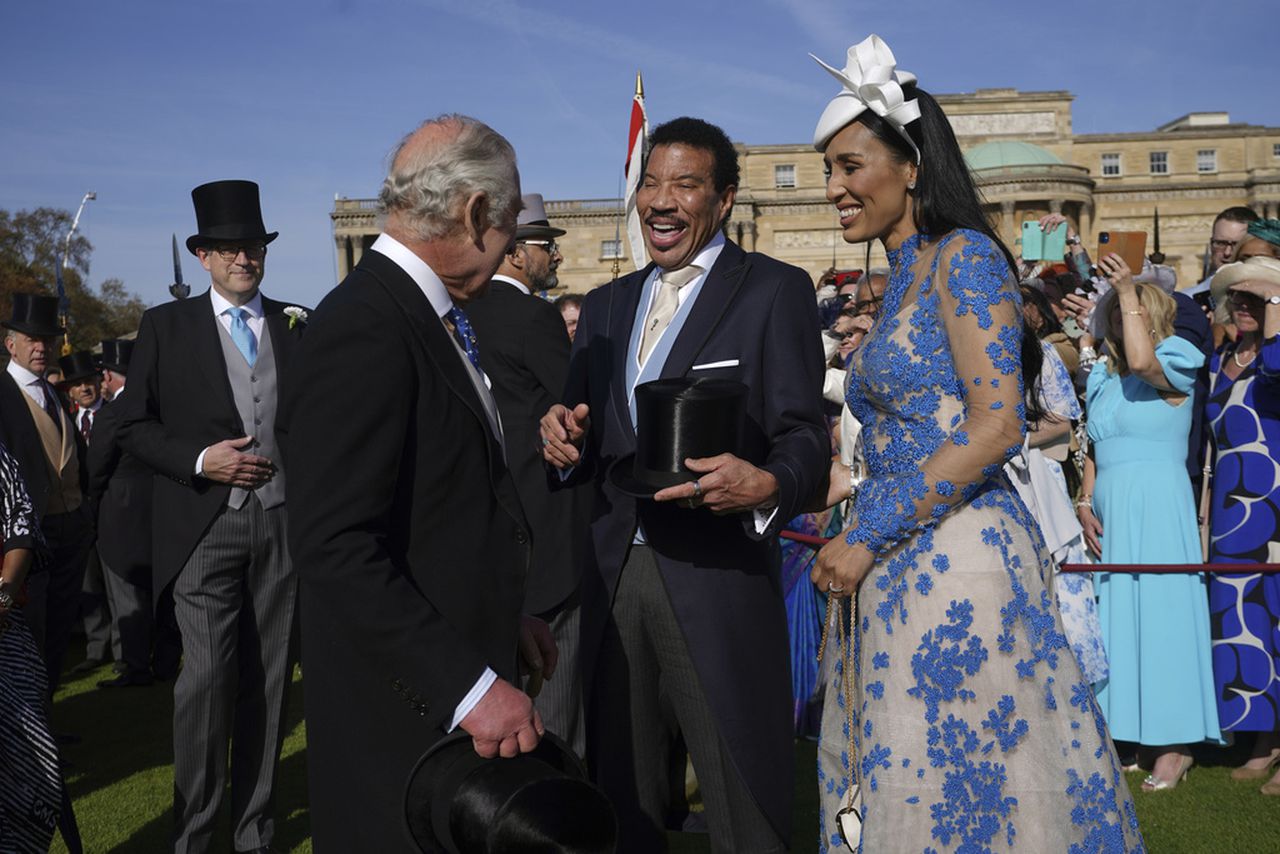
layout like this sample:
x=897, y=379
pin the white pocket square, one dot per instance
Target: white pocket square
x=706, y=366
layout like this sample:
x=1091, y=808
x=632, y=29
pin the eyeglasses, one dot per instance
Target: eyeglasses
x=549, y=245
x=866, y=306
x=1223, y=244
x=252, y=251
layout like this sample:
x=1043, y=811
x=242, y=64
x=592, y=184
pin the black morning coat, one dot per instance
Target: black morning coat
x=409, y=542
x=524, y=349
x=723, y=578
x=178, y=402
x=120, y=487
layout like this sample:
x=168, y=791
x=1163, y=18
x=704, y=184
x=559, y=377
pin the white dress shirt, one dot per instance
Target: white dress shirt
x=33, y=385
x=221, y=305
x=436, y=293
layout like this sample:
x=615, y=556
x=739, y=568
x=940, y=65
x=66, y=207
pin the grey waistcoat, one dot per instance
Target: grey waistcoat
x=254, y=391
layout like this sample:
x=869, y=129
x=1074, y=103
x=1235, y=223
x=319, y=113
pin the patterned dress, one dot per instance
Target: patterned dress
x=30, y=782
x=974, y=727
x=1244, y=415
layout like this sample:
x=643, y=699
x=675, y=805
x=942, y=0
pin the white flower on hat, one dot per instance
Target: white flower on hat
x=296, y=315
x=872, y=82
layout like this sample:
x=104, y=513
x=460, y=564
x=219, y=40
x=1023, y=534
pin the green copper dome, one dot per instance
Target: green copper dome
x=994, y=155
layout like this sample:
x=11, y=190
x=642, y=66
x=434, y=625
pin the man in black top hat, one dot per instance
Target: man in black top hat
x=684, y=629
x=82, y=379
x=200, y=410
x=120, y=500
x=50, y=452
x=524, y=351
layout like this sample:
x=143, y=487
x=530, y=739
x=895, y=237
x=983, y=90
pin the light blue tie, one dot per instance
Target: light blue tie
x=242, y=335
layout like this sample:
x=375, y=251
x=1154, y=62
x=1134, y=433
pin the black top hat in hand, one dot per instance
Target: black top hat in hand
x=676, y=419
x=116, y=354
x=80, y=365
x=228, y=212
x=35, y=315
x=540, y=801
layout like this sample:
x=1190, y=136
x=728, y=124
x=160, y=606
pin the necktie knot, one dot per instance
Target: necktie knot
x=681, y=277
x=465, y=335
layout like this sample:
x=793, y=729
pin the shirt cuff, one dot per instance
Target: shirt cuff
x=763, y=519
x=473, y=698
x=200, y=462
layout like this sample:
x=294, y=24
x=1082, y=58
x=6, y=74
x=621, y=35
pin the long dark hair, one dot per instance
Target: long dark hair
x=1036, y=297
x=946, y=199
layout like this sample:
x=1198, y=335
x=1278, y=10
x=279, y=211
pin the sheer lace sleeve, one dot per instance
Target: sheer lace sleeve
x=979, y=311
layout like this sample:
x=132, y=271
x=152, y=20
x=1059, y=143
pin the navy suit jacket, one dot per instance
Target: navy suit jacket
x=722, y=576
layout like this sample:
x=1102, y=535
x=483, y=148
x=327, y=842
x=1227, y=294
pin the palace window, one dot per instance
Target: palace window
x=610, y=249
x=1159, y=163
x=1111, y=164
x=784, y=176
x=1275, y=150
x=1207, y=160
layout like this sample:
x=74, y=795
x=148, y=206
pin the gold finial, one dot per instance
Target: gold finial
x=639, y=86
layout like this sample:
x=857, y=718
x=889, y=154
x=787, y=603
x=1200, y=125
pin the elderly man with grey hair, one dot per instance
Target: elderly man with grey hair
x=405, y=523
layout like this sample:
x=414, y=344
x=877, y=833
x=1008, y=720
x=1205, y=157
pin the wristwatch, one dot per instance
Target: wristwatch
x=1073, y=241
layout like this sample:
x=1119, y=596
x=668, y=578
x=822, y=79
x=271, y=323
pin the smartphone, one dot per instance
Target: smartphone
x=1129, y=245
x=1038, y=245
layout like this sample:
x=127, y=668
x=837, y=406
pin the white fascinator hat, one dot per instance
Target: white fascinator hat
x=872, y=81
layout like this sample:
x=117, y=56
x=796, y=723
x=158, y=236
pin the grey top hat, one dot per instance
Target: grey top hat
x=533, y=222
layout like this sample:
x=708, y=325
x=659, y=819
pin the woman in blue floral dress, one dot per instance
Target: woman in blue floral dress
x=1244, y=416
x=973, y=727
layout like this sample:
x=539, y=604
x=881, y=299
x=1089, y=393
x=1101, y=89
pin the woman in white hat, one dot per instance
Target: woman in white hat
x=970, y=723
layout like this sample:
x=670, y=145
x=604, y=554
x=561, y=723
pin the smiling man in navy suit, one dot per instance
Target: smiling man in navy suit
x=684, y=629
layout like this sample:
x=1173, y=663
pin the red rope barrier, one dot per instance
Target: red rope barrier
x=1134, y=568
x=1170, y=569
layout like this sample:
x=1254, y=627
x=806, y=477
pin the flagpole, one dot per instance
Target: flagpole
x=64, y=304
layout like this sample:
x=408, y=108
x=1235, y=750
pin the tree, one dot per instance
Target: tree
x=31, y=247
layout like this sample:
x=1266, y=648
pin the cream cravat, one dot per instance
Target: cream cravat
x=665, y=306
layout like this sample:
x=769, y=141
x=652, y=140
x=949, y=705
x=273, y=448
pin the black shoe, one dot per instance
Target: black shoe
x=89, y=665
x=127, y=680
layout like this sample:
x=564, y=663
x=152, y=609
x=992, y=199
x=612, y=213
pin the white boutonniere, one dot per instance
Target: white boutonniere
x=296, y=315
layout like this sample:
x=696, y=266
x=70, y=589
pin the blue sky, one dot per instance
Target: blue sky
x=141, y=101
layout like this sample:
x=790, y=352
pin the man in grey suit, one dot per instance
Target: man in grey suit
x=206, y=376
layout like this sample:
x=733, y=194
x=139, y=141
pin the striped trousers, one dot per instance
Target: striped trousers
x=235, y=601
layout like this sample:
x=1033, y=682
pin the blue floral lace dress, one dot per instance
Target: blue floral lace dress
x=975, y=729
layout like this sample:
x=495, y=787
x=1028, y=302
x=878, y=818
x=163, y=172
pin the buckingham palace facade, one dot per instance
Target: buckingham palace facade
x=1027, y=163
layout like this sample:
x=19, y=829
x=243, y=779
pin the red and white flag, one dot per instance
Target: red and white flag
x=637, y=140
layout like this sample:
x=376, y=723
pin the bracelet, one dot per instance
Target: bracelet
x=1084, y=501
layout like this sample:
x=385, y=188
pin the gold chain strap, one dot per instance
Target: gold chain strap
x=835, y=615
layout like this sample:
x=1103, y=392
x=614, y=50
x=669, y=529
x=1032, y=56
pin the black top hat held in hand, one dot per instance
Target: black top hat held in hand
x=35, y=315
x=540, y=801
x=227, y=212
x=676, y=419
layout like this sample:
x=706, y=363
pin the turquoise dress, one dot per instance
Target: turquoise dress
x=1155, y=627
x=973, y=727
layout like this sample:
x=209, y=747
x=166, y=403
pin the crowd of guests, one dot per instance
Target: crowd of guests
x=476, y=557
x=1158, y=446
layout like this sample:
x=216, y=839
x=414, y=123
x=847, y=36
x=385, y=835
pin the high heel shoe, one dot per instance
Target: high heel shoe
x=1155, y=784
x=1244, y=772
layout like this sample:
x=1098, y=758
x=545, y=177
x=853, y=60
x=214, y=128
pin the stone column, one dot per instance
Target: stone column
x=1055, y=206
x=1007, y=225
x=344, y=265
x=1086, y=222
x=357, y=249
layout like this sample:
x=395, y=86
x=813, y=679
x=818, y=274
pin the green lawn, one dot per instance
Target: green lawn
x=121, y=780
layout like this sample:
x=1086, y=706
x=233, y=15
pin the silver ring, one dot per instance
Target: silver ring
x=697, y=489
x=545, y=441
x=831, y=586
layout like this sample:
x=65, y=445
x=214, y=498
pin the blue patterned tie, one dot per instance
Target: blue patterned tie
x=465, y=334
x=242, y=335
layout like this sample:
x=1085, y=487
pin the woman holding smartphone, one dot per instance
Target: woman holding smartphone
x=1136, y=507
x=970, y=724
